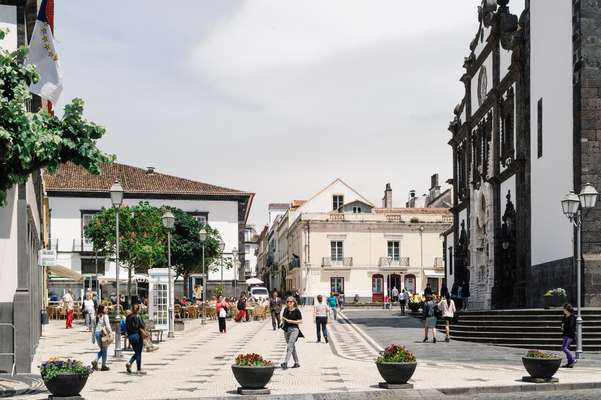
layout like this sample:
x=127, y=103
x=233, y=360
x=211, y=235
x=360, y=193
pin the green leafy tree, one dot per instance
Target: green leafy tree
x=141, y=237
x=30, y=141
x=186, y=248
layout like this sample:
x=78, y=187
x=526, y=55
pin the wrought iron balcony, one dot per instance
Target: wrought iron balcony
x=394, y=262
x=294, y=263
x=343, y=262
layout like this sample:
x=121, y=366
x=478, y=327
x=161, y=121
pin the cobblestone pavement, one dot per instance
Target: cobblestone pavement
x=197, y=362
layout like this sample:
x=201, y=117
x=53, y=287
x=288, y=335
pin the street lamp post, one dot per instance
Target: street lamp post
x=573, y=206
x=117, y=199
x=168, y=222
x=235, y=262
x=202, y=235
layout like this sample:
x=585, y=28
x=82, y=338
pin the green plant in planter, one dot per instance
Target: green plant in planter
x=56, y=366
x=251, y=360
x=541, y=355
x=559, y=292
x=396, y=354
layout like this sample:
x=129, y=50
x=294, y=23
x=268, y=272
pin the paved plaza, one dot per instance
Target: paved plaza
x=197, y=362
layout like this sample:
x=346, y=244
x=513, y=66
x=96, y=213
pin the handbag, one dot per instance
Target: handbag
x=107, y=338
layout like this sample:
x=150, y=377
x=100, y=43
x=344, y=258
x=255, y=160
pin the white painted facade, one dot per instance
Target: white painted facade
x=66, y=226
x=8, y=247
x=551, y=81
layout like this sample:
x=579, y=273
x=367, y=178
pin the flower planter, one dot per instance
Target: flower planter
x=396, y=373
x=252, y=377
x=542, y=368
x=66, y=385
x=415, y=306
x=554, y=301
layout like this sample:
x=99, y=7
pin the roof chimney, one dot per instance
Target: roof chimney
x=150, y=170
x=387, y=200
x=434, y=187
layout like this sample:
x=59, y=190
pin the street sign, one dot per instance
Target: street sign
x=46, y=258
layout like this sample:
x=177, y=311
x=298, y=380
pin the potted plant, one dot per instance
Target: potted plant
x=555, y=298
x=396, y=364
x=64, y=378
x=540, y=364
x=252, y=371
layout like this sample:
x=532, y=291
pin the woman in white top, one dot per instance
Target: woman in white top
x=320, y=312
x=103, y=328
x=447, y=307
x=90, y=312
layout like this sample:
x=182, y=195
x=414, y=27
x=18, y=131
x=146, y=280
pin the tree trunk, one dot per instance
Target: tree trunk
x=186, y=284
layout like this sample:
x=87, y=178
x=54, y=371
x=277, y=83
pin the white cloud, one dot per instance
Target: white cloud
x=267, y=34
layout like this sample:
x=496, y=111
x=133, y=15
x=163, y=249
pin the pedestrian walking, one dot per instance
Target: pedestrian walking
x=103, y=336
x=428, y=290
x=89, y=311
x=395, y=294
x=429, y=317
x=333, y=303
x=221, y=308
x=403, y=301
x=447, y=307
x=275, y=308
x=69, y=305
x=320, y=312
x=136, y=333
x=292, y=319
x=568, y=326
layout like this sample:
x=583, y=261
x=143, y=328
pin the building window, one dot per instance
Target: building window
x=86, y=217
x=539, y=128
x=88, y=266
x=337, y=284
x=159, y=302
x=394, y=250
x=201, y=217
x=356, y=210
x=336, y=250
x=247, y=248
x=337, y=201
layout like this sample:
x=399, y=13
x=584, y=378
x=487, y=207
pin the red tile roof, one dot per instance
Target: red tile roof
x=73, y=178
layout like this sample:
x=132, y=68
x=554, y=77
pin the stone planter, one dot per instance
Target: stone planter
x=396, y=373
x=415, y=306
x=66, y=385
x=541, y=368
x=554, y=301
x=253, y=377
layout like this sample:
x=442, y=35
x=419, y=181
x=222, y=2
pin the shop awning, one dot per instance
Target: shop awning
x=430, y=273
x=63, y=272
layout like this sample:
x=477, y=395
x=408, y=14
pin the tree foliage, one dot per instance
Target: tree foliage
x=186, y=248
x=143, y=240
x=141, y=235
x=30, y=141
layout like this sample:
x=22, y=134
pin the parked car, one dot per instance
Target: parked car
x=259, y=293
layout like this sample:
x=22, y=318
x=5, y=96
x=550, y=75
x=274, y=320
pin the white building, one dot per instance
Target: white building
x=74, y=195
x=339, y=241
x=251, y=248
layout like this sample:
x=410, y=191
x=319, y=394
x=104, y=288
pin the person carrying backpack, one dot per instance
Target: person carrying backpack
x=430, y=310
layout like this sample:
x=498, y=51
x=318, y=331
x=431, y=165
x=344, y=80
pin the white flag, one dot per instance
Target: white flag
x=43, y=55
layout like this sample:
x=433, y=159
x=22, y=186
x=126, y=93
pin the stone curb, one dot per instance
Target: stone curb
x=539, y=387
x=419, y=394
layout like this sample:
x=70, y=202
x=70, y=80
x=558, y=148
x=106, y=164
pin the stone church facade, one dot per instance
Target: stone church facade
x=525, y=133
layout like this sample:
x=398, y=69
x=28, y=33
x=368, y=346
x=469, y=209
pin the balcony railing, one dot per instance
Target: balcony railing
x=82, y=245
x=394, y=262
x=295, y=263
x=438, y=263
x=328, y=262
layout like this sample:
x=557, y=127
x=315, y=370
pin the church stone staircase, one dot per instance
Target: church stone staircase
x=528, y=328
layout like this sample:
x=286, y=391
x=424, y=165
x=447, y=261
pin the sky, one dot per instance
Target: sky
x=275, y=97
